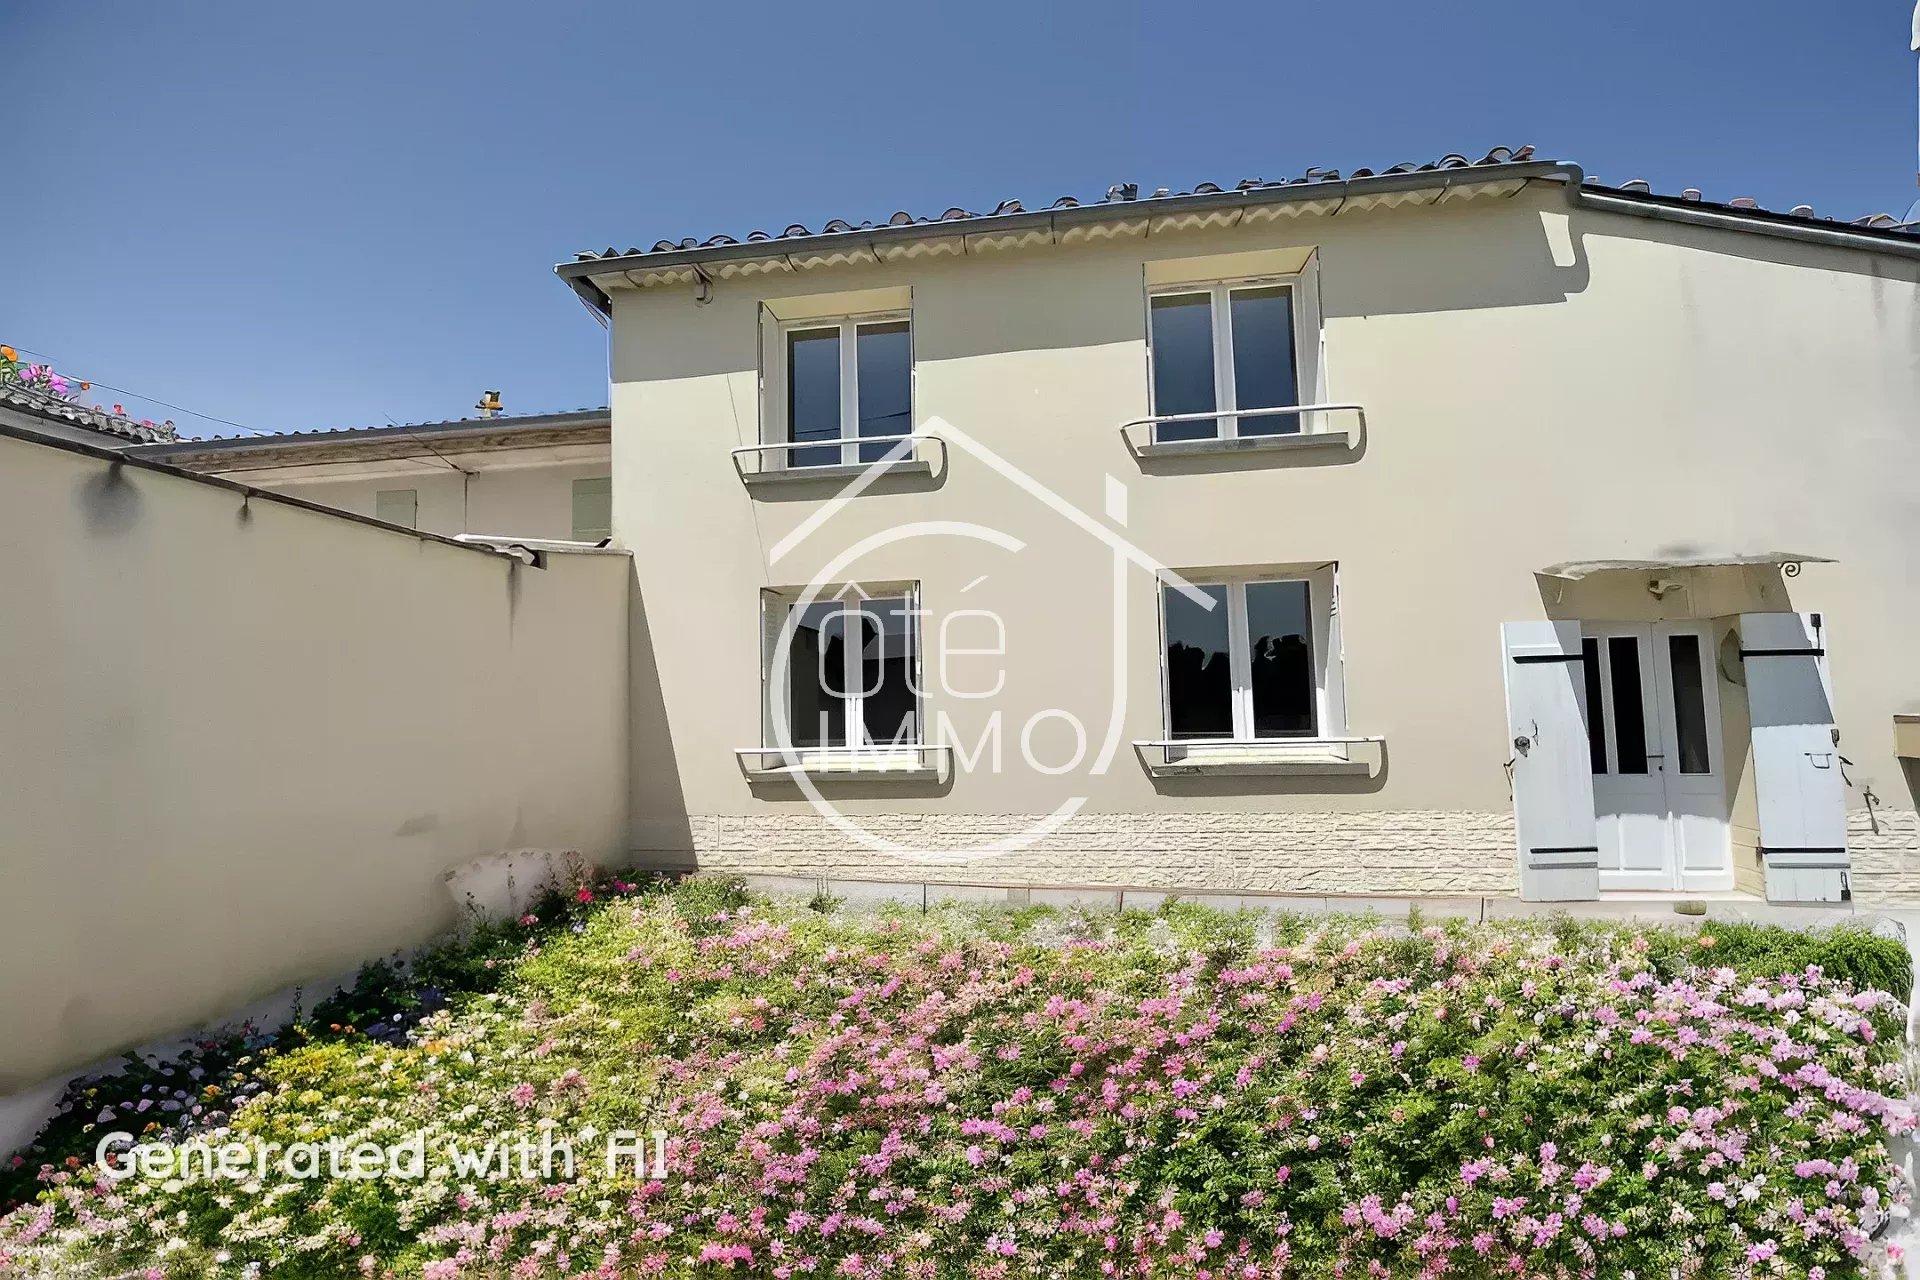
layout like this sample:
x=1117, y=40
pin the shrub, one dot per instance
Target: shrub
x=996, y=1095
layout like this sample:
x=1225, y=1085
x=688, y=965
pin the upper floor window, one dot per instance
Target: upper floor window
x=849, y=386
x=1261, y=663
x=1225, y=356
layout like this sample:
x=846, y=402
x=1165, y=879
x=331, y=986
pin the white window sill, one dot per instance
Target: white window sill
x=1317, y=757
x=841, y=472
x=900, y=764
x=1218, y=446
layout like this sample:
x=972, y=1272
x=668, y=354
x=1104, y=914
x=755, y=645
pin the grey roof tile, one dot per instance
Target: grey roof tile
x=45, y=404
x=1129, y=192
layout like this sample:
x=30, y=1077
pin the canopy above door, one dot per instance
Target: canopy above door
x=1574, y=570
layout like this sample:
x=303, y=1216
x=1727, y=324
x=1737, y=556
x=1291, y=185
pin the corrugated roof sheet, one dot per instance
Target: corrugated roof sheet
x=44, y=404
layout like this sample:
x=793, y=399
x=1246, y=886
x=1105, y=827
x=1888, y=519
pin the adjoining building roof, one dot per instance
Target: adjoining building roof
x=461, y=435
x=1067, y=218
x=44, y=404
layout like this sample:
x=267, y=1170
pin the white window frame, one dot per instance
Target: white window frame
x=850, y=437
x=1323, y=621
x=777, y=606
x=1303, y=288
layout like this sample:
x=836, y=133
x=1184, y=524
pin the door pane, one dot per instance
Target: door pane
x=1183, y=364
x=1629, y=711
x=1199, y=668
x=885, y=375
x=889, y=708
x=1280, y=649
x=1689, y=703
x=813, y=394
x=1263, y=374
x=1596, y=705
x=816, y=678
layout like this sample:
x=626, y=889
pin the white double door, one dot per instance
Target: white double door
x=1655, y=743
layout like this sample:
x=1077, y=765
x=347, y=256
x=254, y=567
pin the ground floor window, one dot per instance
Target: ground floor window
x=846, y=675
x=1244, y=665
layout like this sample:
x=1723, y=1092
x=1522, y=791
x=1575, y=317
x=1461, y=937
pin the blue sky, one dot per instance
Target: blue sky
x=308, y=216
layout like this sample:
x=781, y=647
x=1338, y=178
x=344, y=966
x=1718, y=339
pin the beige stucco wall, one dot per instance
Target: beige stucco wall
x=523, y=502
x=1542, y=386
x=243, y=741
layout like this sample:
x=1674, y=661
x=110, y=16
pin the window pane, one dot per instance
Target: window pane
x=1199, y=669
x=398, y=506
x=1280, y=659
x=813, y=394
x=885, y=375
x=592, y=509
x=1263, y=375
x=1596, y=705
x=1629, y=712
x=889, y=707
x=1183, y=364
x=816, y=678
x=1689, y=703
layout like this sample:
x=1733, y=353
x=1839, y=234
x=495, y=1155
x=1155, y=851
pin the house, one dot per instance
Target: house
x=1463, y=528
x=528, y=476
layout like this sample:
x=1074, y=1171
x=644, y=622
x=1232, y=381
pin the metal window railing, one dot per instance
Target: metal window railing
x=836, y=456
x=1309, y=424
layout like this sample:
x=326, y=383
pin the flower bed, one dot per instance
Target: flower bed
x=1029, y=1094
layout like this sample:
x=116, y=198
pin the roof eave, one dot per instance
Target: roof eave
x=448, y=433
x=579, y=275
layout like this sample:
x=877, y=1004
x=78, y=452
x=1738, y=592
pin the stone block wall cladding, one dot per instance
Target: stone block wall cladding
x=1428, y=852
x=1408, y=853
x=1886, y=855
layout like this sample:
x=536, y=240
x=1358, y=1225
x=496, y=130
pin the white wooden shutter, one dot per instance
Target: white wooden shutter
x=1796, y=757
x=1309, y=351
x=773, y=616
x=1552, y=767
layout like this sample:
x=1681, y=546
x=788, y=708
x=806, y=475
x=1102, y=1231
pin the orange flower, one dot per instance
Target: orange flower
x=8, y=353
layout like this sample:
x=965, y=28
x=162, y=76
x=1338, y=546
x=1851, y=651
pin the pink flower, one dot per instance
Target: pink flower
x=522, y=1095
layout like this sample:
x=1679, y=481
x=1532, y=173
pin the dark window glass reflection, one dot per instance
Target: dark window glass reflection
x=889, y=708
x=816, y=678
x=1629, y=711
x=1689, y=703
x=1263, y=373
x=1183, y=364
x=1280, y=654
x=1596, y=705
x=1199, y=667
x=813, y=395
x=885, y=376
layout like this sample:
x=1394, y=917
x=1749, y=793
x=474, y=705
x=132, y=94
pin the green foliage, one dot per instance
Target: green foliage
x=1845, y=953
x=1276, y=1083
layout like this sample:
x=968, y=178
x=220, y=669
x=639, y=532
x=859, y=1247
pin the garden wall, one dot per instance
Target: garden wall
x=243, y=738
